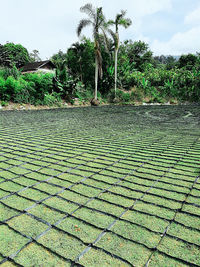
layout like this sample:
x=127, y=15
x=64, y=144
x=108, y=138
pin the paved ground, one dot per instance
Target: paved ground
x=105, y=186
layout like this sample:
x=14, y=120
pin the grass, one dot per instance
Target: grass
x=64, y=244
x=150, y=222
x=46, y=214
x=159, y=259
x=17, y=202
x=42, y=257
x=6, y=213
x=30, y=226
x=125, y=249
x=137, y=233
x=85, y=232
x=10, y=241
x=98, y=258
x=102, y=176
x=190, y=235
x=179, y=249
x=154, y=210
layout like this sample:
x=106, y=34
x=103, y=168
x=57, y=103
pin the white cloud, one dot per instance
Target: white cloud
x=50, y=25
x=193, y=17
x=180, y=43
x=184, y=42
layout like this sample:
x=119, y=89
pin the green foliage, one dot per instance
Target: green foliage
x=187, y=61
x=137, y=52
x=78, y=65
x=13, y=55
x=11, y=87
x=28, y=88
x=140, y=76
x=6, y=72
x=58, y=59
x=52, y=99
x=160, y=83
x=121, y=96
x=41, y=83
x=65, y=83
x=82, y=93
x=80, y=61
x=4, y=103
x=2, y=87
x=26, y=93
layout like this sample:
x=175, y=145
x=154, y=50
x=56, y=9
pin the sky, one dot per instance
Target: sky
x=170, y=27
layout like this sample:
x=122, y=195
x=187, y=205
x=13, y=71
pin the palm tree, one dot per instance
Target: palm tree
x=97, y=21
x=120, y=20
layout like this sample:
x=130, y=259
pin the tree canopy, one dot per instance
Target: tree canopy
x=13, y=55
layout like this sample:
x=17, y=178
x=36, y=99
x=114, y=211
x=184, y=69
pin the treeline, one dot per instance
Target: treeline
x=141, y=77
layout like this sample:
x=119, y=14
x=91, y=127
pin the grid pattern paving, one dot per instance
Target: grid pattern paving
x=103, y=186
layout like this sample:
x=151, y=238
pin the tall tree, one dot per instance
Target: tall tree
x=34, y=55
x=97, y=21
x=13, y=55
x=136, y=52
x=187, y=61
x=120, y=20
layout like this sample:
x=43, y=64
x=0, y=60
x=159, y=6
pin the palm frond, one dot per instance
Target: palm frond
x=123, y=13
x=82, y=24
x=121, y=20
x=110, y=22
x=125, y=22
x=89, y=10
x=120, y=16
x=106, y=41
x=113, y=35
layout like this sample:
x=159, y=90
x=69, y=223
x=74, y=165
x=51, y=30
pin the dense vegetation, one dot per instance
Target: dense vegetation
x=139, y=76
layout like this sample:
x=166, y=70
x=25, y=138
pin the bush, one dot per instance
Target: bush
x=41, y=83
x=6, y=72
x=52, y=99
x=4, y=103
x=121, y=96
x=28, y=88
x=162, y=84
x=2, y=88
x=26, y=93
x=82, y=93
x=11, y=87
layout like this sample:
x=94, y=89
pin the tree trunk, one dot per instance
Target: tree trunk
x=116, y=55
x=96, y=77
x=81, y=71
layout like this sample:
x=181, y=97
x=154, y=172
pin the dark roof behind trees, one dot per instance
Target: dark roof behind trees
x=32, y=66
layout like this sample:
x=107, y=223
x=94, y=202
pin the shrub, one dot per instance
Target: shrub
x=11, y=86
x=4, y=103
x=52, y=99
x=6, y=72
x=42, y=84
x=2, y=88
x=82, y=93
x=26, y=93
x=121, y=96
